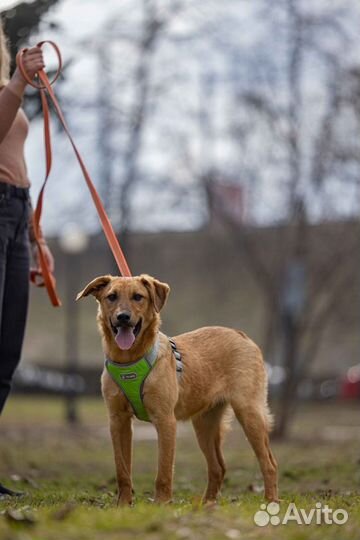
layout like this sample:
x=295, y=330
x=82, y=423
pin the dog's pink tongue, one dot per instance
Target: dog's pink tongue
x=125, y=338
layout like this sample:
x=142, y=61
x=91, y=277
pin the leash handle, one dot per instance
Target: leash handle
x=45, y=88
x=20, y=64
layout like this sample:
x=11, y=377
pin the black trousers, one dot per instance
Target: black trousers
x=14, y=281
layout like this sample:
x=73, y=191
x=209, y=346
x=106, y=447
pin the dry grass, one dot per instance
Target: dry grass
x=68, y=475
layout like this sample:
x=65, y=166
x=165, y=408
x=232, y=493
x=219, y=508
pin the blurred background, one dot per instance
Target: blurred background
x=224, y=140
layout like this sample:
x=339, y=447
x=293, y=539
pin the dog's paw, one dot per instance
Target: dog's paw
x=272, y=497
x=163, y=499
x=125, y=499
x=124, y=502
x=209, y=503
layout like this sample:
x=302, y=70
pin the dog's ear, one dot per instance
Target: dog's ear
x=94, y=287
x=158, y=291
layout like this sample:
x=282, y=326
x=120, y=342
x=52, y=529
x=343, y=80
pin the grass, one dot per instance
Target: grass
x=68, y=475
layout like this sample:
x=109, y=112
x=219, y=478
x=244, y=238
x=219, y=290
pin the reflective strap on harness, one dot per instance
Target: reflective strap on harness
x=179, y=364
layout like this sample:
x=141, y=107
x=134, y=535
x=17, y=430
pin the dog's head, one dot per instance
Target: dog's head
x=127, y=306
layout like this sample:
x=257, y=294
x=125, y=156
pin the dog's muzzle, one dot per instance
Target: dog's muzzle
x=125, y=333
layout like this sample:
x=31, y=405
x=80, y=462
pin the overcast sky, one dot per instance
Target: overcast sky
x=244, y=53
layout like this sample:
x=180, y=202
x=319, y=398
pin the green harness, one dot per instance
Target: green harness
x=131, y=377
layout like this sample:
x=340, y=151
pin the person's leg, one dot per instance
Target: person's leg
x=14, y=279
x=3, y=264
x=14, y=291
x=3, y=253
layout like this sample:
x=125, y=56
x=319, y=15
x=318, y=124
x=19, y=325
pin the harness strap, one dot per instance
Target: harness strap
x=179, y=364
x=131, y=377
x=152, y=355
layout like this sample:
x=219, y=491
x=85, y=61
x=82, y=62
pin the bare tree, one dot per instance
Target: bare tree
x=131, y=119
x=300, y=280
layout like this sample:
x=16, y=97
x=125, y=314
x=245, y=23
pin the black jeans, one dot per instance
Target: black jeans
x=14, y=281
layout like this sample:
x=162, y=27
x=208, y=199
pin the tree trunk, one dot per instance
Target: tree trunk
x=289, y=386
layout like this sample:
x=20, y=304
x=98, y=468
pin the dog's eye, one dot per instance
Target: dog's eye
x=112, y=297
x=137, y=297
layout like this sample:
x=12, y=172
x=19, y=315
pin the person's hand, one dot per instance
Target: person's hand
x=33, y=61
x=48, y=256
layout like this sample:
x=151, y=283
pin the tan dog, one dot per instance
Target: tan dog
x=221, y=368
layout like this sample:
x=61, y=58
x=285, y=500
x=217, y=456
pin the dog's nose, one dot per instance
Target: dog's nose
x=123, y=317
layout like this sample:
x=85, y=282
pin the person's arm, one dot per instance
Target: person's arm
x=11, y=96
x=10, y=101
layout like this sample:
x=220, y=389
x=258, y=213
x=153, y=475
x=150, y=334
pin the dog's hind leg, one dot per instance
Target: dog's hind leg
x=256, y=422
x=210, y=428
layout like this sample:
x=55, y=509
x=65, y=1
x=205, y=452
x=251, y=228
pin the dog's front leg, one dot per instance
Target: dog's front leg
x=166, y=430
x=121, y=435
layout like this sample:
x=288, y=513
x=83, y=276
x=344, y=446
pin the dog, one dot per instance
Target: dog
x=221, y=369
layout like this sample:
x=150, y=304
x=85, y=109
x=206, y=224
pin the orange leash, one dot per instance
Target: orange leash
x=44, y=86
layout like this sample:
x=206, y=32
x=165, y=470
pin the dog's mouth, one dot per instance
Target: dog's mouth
x=125, y=334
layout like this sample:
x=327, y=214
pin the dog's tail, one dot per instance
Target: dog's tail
x=269, y=419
